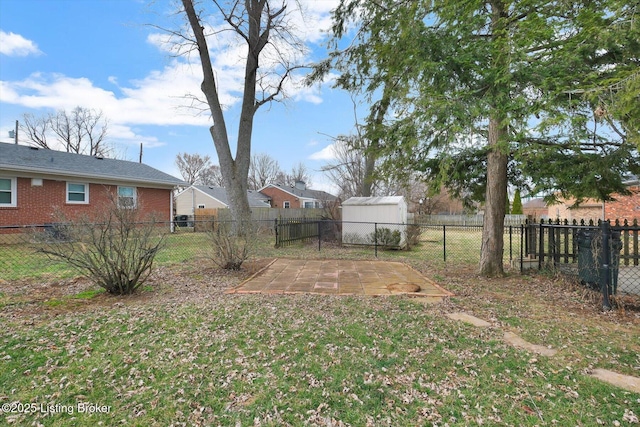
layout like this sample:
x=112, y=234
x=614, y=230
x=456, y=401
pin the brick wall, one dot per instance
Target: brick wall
x=37, y=204
x=625, y=207
x=278, y=197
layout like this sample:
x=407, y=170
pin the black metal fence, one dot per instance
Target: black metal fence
x=571, y=248
x=455, y=243
x=602, y=255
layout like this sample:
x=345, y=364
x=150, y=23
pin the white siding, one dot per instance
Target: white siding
x=191, y=198
x=387, y=212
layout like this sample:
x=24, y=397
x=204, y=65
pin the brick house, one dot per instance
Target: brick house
x=297, y=196
x=624, y=207
x=36, y=182
x=535, y=209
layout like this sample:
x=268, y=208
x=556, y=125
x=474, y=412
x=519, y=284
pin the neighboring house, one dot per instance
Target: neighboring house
x=587, y=210
x=535, y=209
x=297, y=196
x=625, y=207
x=36, y=182
x=208, y=197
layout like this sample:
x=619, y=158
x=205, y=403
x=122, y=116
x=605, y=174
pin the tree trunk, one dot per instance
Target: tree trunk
x=234, y=171
x=371, y=153
x=491, y=263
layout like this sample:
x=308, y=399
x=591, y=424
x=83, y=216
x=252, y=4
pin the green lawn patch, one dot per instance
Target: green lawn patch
x=292, y=360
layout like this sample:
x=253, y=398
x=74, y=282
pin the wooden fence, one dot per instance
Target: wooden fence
x=291, y=230
x=263, y=214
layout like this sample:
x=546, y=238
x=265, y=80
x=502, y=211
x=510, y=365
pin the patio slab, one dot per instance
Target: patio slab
x=338, y=277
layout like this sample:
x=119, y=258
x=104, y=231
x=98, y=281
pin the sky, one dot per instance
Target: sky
x=112, y=56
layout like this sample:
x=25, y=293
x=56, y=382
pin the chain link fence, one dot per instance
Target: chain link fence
x=526, y=247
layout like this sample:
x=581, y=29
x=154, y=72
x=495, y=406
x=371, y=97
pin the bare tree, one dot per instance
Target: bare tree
x=258, y=24
x=192, y=166
x=263, y=170
x=299, y=172
x=347, y=170
x=36, y=129
x=354, y=172
x=82, y=131
x=211, y=176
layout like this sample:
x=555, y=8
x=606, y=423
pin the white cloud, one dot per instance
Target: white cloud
x=327, y=153
x=121, y=134
x=166, y=96
x=12, y=44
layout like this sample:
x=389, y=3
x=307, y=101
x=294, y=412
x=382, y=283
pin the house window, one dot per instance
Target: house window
x=200, y=206
x=127, y=197
x=7, y=192
x=77, y=193
x=286, y=205
x=308, y=205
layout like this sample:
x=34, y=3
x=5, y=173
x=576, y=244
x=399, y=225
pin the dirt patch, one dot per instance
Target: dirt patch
x=36, y=300
x=403, y=287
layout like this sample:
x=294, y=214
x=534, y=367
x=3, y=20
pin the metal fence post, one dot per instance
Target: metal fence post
x=276, y=231
x=444, y=243
x=319, y=234
x=606, y=261
x=375, y=238
x=510, y=243
x=541, y=247
x=522, y=246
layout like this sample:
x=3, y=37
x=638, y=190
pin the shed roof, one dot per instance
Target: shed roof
x=371, y=201
x=23, y=158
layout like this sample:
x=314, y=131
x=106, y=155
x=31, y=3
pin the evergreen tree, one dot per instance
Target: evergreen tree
x=516, y=209
x=484, y=91
x=507, y=208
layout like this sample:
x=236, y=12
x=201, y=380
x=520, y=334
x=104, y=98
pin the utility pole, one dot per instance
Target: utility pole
x=16, y=134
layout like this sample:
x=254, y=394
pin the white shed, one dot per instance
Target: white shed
x=361, y=216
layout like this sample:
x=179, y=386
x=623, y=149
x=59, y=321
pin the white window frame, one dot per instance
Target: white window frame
x=13, y=191
x=77, y=202
x=135, y=196
x=311, y=204
x=201, y=206
x=286, y=204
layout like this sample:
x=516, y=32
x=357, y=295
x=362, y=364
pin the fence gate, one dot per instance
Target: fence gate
x=292, y=230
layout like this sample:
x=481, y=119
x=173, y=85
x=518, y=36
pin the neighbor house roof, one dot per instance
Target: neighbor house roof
x=303, y=193
x=536, y=203
x=25, y=159
x=256, y=200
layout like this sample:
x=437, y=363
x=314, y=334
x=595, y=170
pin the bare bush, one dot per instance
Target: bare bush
x=412, y=235
x=115, y=247
x=231, y=250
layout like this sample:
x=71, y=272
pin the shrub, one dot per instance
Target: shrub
x=115, y=248
x=231, y=250
x=386, y=238
x=412, y=235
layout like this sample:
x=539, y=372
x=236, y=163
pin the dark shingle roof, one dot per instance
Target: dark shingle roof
x=256, y=200
x=22, y=158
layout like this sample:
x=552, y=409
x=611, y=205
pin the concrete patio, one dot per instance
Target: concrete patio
x=339, y=277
